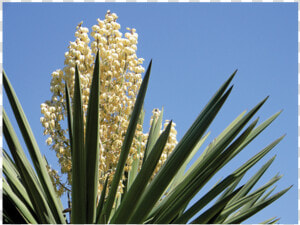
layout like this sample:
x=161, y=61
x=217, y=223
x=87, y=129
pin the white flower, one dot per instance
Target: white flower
x=120, y=81
x=49, y=141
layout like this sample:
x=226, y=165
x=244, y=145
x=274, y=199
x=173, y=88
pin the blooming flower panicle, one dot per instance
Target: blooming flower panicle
x=120, y=80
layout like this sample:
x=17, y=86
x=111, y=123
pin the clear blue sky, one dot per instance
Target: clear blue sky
x=194, y=47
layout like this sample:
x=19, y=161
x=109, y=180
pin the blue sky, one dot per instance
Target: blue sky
x=195, y=47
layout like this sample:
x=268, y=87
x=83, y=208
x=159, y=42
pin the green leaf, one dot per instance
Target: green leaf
x=252, y=161
x=252, y=181
x=202, y=202
x=136, y=161
x=19, y=204
x=243, y=216
x=178, y=177
x=153, y=134
x=225, y=138
x=240, y=198
x=274, y=221
x=10, y=162
x=256, y=132
x=70, y=116
x=79, y=187
x=214, y=210
x=230, y=208
x=260, y=190
x=92, y=143
x=126, y=144
x=13, y=180
x=231, y=188
x=28, y=177
x=133, y=195
x=11, y=214
x=269, y=220
x=198, y=178
x=15, y=205
x=206, y=152
x=265, y=196
x=215, y=141
x=37, y=160
x=177, y=158
x=217, y=95
x=101, y=202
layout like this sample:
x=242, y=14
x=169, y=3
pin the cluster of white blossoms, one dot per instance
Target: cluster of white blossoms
x=120, y=81
x=56, y=180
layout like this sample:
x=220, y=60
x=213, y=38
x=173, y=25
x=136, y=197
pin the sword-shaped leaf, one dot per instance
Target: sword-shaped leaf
x=79, y=187
x=198, y=178
x=92, y=143
x=250, y=204
x=136, y=161
x=206, y=199
x=256, y=208
x=70, y=116
x=252, y=181
x=14, y=182
x=21, y=207
x=270, y=221
x=179, y=155
x=214, y=210
x=28, y=176
x=33, y=149
x=101, y=202
x=134, y=193
x=126, y=144
x=232, y=207
x=153, y=134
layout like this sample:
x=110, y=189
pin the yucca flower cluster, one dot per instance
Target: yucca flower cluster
x=120, y=81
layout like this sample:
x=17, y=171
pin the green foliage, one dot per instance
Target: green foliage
x=29, y=196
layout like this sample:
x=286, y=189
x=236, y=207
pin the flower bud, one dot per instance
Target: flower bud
x=49, y=141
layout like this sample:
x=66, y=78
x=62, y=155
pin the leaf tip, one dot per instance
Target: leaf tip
x=266, y=98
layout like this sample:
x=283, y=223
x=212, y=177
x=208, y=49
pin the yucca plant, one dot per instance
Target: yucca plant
x=29, y=196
